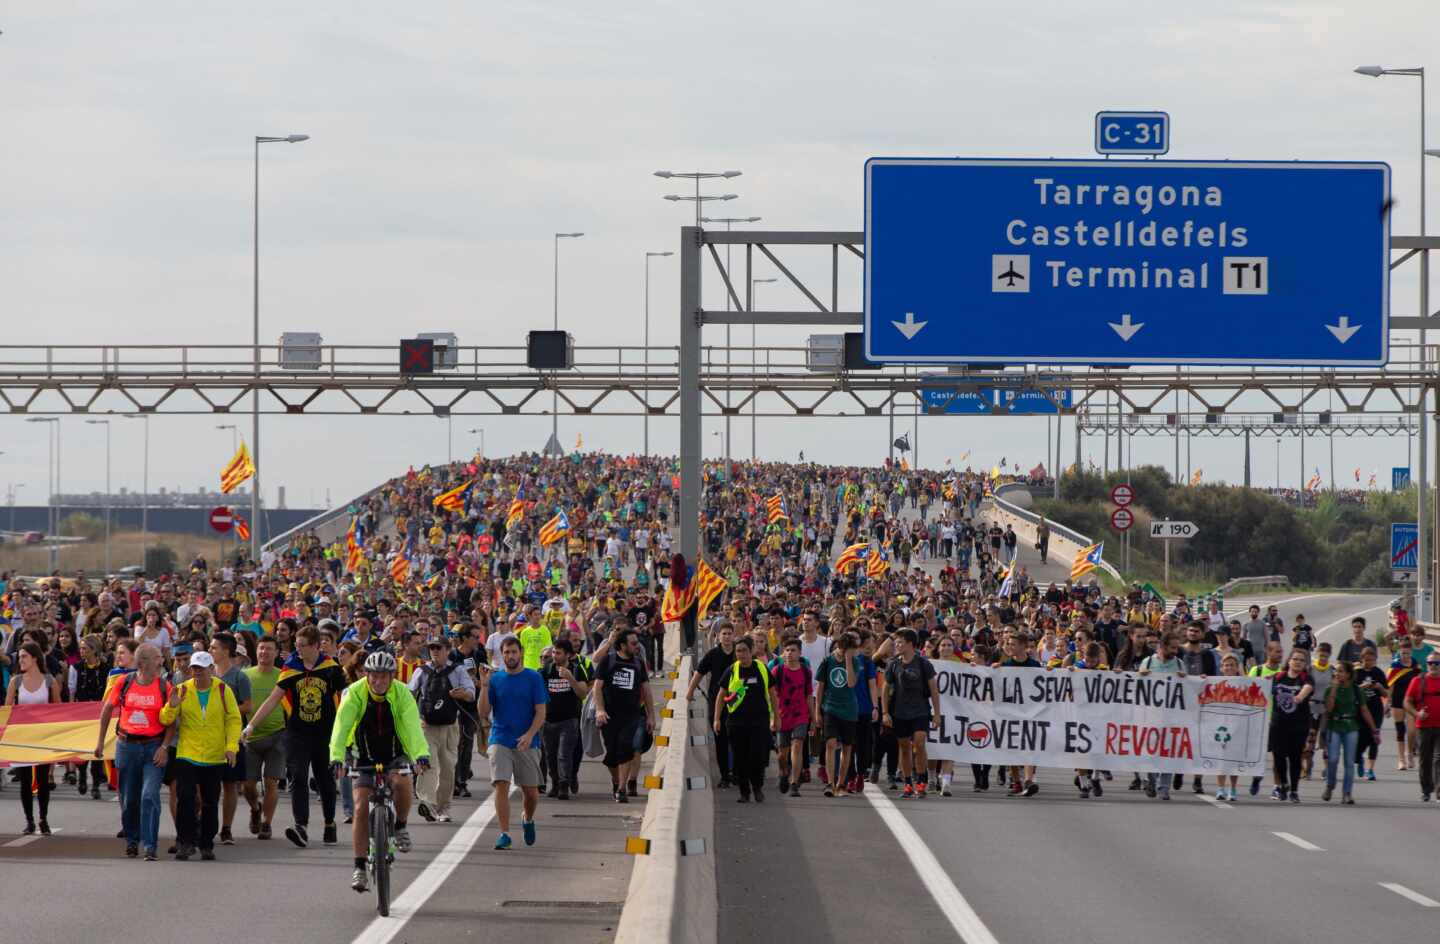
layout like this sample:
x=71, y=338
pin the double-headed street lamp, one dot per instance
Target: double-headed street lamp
x=108, y=511
x=481, y=431
x=555, y=393
x=648, y=257
x=697, y=176
x=1423, y=573
x=255, y=299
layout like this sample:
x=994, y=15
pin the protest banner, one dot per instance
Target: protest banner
x=1100, y=720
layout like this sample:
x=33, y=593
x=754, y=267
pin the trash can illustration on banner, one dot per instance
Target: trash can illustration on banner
x=1232, y=723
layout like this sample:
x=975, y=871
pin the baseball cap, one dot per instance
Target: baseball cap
x=182, y=648
x=202, y=660
x=327, y=622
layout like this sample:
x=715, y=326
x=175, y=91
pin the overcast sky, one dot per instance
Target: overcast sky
x=450, y=140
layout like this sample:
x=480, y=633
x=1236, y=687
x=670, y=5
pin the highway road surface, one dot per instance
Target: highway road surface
x=569, y=887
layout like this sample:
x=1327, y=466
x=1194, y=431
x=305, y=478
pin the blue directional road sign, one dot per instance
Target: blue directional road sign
x=1132, y=132
x=953, y=400
x=1126, y=262
x=1404, y=546
x=1025, y=402
x=1399, y=478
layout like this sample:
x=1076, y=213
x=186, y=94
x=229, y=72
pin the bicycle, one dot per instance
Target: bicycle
x=382, y=837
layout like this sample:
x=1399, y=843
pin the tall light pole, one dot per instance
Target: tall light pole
x=255, y=299
x=108, y=499
x=554, y=393
x=728, y=220
x=144, y=489
x=1423, y=573
x=481, y=431
x=52, y=481
x=14, y=487
x=697, y=176
x=648, y=257
x=449, y=438
x=234, y=435
x=754, y=395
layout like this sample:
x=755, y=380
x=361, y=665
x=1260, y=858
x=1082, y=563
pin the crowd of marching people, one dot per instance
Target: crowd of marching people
x=516, y=608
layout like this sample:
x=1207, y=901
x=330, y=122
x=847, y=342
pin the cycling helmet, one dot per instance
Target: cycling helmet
x=380, y=662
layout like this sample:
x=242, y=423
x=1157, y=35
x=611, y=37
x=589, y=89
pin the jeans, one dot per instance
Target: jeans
x=139, y=790
x=1429, y=759
x=466, y=751
x=304, y=759
x=1335, y=741
x=561, y=740
x=197, y=827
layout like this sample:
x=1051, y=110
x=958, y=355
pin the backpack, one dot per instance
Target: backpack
x=436, y=705
x=130, y=680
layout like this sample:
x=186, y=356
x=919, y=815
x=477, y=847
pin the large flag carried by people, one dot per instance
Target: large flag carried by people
x=1087, y=560
x=454, y=500
x=852, y=555
x=237, y=471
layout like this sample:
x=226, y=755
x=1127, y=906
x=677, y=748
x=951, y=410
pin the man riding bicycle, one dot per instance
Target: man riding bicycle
x=378, y=723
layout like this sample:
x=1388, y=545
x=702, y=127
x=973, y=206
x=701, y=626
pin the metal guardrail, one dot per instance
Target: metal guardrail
x=1070, y=534
x=281, y=542
x=1253, y=583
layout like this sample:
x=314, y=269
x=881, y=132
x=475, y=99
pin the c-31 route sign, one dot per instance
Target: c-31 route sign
x=1126, y=262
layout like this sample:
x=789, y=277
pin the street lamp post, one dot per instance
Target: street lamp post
x=52, y=481
x=1424, y=577
x=144, y=490
x=697, y=176
x=255, y=301
x=481, y=431
x=554, y=393
x=728, y=220
x=646, y=369
x=754, y=393
x=14, y=487
x=108, y=499
x=234, y=435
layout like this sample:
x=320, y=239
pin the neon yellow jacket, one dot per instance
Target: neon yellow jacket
x=205, y=735
x=402, y=709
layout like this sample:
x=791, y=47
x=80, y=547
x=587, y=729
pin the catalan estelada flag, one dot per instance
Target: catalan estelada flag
x=776, y=509
x=454, y=500
x=1087, y=560
x=677, y=603
x=878, y=564
x=517, y=510
x=242, y=527
x=51, y=734
x=852, y=555
x=708, y=585
x=400, y=566
x=554, y=529
x=353, y=541
x=237, y=471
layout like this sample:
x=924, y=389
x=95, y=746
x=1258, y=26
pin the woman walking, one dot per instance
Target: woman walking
x=32, y=685
x=1344, y=709
x=1290, y=724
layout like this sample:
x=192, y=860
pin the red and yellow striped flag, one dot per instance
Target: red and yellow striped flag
x=708, y=585
x=51, y=734
x=237, y=471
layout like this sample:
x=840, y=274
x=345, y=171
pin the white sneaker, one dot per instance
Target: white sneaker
x=443, y=817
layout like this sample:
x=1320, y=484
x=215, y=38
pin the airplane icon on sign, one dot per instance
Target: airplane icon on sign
x=1010, y=275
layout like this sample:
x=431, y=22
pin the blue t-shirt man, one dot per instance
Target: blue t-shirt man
x=513, y=697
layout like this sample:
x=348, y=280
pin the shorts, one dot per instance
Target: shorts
x=909, y=727
x=265, y=757
x=236, y=772
x=839, y=729
x=362, y=776
x=786, y=737
x=619, y=735
x=520, y=766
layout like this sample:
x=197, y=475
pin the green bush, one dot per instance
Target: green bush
x=79, y=524
x=159, y=559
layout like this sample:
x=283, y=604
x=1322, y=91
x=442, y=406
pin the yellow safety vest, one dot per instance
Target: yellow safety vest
x=737, y=687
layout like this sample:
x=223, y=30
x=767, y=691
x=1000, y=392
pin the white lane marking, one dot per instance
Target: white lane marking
x=1212, y=801
x=1295, y=840
x=1261, y=602
x=1414, y=896
x=26, y=840
x=402, y=909
x=1345, y=621
x=962, y=917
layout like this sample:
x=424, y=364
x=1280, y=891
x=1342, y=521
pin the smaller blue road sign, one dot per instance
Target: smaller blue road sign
x=1132, y=132
x=1404, y=546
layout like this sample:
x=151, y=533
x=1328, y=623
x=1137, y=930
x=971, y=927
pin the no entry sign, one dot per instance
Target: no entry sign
x=221, y=519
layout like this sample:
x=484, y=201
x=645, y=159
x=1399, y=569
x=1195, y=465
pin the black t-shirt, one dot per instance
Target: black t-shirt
x=564, y=703
x=751, y=712
x=908, y=687
x=1288, y=713
x=714, y=665
x=623, y=679
x=376, y=739
x=1372, y=695
x=643, y=618
x=312, y=696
